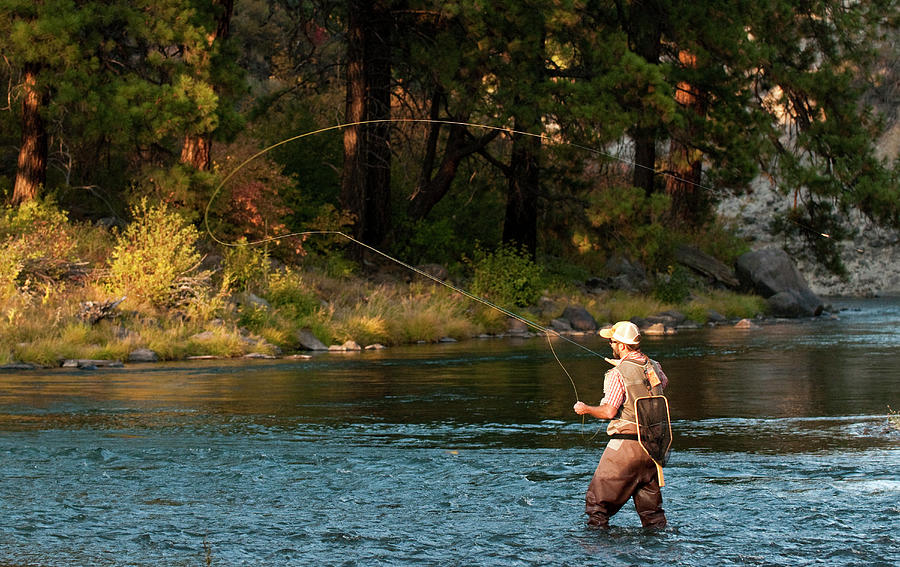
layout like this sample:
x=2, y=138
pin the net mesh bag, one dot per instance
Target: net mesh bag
x=654, y=427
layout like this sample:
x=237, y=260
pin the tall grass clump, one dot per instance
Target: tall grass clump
x=432, y=316
x=152, y=254
x=620, y=306
x=729, y=304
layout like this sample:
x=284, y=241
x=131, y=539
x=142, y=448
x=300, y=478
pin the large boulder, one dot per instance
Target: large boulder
x=143, y=355
x=704, y=264
x=308, y=341
x=771, y=273
x=579, y=318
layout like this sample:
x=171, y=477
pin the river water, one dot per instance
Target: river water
x=460, y=454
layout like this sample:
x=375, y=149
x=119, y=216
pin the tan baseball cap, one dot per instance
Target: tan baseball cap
x=622, y=332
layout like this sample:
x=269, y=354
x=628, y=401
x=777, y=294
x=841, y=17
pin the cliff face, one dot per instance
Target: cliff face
x=872, y=256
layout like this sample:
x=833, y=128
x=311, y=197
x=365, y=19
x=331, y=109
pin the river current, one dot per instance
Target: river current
x=786, y=452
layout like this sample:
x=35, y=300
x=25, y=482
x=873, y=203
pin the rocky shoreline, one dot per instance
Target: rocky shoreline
x=574, y=322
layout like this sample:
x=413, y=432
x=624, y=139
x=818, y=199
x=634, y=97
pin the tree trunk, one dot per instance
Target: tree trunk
x=31, y=169
x=353, y=179
x=644, y=172
x=366, y=176
x=196, y=151
x=645, y=35
x=196, y=148
x=520, y=222
x=689, y=202
x=432, y=189
x=378, y=103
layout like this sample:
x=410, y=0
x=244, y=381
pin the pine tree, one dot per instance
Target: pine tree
x=111, y=85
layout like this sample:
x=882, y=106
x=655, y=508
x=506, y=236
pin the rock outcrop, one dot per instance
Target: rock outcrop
x=871, y=255
x=771, y=273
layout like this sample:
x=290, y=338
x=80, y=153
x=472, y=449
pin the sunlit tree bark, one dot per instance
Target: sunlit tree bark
x=31, y=169
x=683, y=182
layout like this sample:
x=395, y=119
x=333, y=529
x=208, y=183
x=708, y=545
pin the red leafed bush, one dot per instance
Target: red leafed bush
x=250, y=204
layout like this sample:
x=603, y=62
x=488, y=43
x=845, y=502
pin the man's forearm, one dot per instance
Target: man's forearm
x=603, y=411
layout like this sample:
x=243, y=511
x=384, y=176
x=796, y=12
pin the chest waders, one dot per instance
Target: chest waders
x=645, y=412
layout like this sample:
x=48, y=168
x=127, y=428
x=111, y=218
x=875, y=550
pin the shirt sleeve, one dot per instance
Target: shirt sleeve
x=613, y=389
x=663, y=379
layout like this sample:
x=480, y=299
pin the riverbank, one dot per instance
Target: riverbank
x=85, y=296
x=307, y=312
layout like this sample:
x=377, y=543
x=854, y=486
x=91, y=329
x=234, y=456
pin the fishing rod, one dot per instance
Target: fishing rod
x=545, y=330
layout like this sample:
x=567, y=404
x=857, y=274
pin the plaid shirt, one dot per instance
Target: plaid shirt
x=614, y=384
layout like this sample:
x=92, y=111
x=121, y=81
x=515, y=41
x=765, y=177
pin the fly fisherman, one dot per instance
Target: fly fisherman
x=625, y=469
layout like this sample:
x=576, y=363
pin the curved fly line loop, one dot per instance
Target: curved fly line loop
x=548, y=332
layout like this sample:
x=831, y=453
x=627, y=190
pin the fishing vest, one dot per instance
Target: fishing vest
x=637, y=385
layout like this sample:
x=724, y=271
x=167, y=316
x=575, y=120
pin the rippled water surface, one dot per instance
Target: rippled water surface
x=459, y=454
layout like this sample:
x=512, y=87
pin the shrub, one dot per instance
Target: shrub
x=11, y=265
x=674, y=287
x=507, y=276
x=38, y=243
x=288, y=292
x=153, y=252
x=246, y=267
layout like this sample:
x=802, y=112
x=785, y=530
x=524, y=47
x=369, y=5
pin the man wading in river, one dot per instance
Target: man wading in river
x=625, y=470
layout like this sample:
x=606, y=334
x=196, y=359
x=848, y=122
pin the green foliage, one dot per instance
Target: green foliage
x=429, y=241
x=152, y=253
x=178, y=185
x=11, y=265
x=627, y=220
x=246, y=267
x=564, y=272
x=507, y=276
x=720, y=241
x=125, y=81
x=675, y=286
x=37, y=243
x=821, y=228
x=288, y=292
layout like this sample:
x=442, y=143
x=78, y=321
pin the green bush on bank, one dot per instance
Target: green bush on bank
x=156, y=249
x=507, y=276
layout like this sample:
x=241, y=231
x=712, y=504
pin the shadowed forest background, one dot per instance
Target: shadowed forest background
x=535, y=140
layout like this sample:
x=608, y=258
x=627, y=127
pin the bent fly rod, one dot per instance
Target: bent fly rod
x=542, y=329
